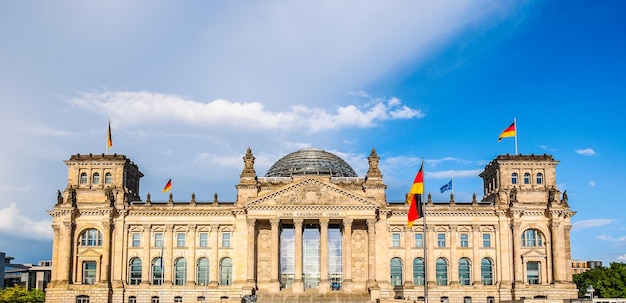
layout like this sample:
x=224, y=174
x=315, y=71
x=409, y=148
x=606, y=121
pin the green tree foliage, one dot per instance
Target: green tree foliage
x=18, y=294
x=608, y=282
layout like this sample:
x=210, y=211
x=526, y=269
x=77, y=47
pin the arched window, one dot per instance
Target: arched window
x=108, y=178
x=532, y=237
x=178, y=299
x=486, y=271
x=464, y=271
x=418, y=271
x=202, y=271
x=155, y=299
x=82, y=299
x=132, y=299
x=157, y=272
x=134, y=271
x=441, y=271
x=91, y=237
x=95, y=178
x=396, y=271
x=526, y=178
x=514, y=178
x=180, y=266
x=226, y=271
x=83, y=178
x=539, y=178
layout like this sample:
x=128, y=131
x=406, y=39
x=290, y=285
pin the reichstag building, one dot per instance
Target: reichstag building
x=310, y=230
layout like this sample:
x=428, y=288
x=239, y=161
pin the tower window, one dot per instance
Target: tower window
x=91, y=237
x=539, y=178
x=514, y=178
x=526, y=178
x=419, y=240
x=108, y=178
x=531, y=238
x=395, y=240
x=204, y=239
x=95, y=179
x=226, y=239
x=464, y=240
x=441, y=240
x=83, y=178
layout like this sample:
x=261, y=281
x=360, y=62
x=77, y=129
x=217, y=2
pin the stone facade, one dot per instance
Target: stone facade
x=310, y=237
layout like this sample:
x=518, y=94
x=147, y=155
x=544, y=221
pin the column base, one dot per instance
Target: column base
x=347, y=285
x=374, y=293
x=324, y=286
x=297, y=287
x=274, y=286
x=372, y=284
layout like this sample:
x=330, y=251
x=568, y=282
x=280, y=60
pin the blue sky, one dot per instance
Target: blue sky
x=189, y=86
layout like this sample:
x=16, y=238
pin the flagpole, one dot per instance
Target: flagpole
x=425, y=256
x=515, y=122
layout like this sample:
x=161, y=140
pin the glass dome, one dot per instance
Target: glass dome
x=310, y=161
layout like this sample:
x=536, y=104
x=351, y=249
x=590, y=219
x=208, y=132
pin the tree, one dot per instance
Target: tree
x=18, y=294
x=608, y=282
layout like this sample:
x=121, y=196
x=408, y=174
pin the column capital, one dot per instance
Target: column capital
x=215, y=227
x=68, y=224
x=298, y=222
x=192, y=227
x=324, y=221
x=371, y=222
x=169, y=227
x=347, y=221
x=274, y=222
x=251, y=222
x=476, y=227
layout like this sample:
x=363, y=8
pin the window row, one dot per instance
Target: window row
x=181, y=237
x=179, y=271
x=527, y=178
x=441, y=271
x=95, y=178
x=464, y=240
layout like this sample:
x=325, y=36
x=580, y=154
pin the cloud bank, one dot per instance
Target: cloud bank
x=13, y=222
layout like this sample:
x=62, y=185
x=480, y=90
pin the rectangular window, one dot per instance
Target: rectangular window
x=464, y=240
x=89, y=272
x=441, y=240
x=136, y=242
x=395, y=240
x=154, y=300
x=204, y=239
x=180, y=240
x=532, y=272
x=132, y=299
x=486, y=240
x=419, y=240
x=225, y=239
x=82, y=299
x=158, y=239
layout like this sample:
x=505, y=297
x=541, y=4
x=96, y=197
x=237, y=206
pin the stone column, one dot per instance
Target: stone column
x=105, y=263
x=167, y=256
x=324, y=283
x=503, y=274
x=146, y=262
x=408, y=261
x=54, y=277
x=476, y=260
x=431, y=242
x=347, y=255
x=371, y=247
x=298, y=284
x=275, y=239
x=557, y=254
x=517, y=257
x=453, y=273
x=65, y=256
x=251, y=257
x=191, y=261
x=215, y=228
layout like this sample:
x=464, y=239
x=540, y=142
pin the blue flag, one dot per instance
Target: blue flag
x=446, y=187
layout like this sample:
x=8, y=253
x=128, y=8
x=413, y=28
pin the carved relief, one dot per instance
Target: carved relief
x=264, y=254
x=359, y=255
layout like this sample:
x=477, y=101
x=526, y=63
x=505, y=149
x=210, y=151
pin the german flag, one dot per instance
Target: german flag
x=508, y=132
x=415, y=197
x=168, y=186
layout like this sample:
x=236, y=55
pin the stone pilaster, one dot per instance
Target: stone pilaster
x=347, y=255
x=275, y=239
x=298, y=284
x=324, y=286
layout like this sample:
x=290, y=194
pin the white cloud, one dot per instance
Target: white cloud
x=592, y=183
x=607, y=238
x=144, y=107
x=586, y=152
x=13, y=222
x=454, y=173
x=622, y=258
x=590, y=223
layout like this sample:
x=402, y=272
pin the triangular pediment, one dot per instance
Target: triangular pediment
x=89, y=254
x=533, y=255
x=309, y=192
